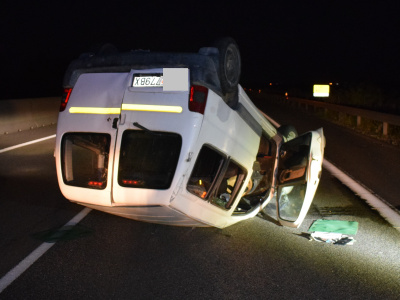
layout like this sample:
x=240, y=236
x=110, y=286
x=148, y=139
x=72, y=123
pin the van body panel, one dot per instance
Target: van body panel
x=97, y=90
x=135, y=151
x=153, y=214
x=186, y=124
x=224, y=129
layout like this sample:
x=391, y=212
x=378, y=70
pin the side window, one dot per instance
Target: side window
x=259, y=185
x=209, y=163
x=215, y=178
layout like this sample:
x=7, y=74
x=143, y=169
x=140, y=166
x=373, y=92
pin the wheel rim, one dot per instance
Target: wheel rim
x=232, y=65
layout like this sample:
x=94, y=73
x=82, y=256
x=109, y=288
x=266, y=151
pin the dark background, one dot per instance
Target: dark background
x=293, y=43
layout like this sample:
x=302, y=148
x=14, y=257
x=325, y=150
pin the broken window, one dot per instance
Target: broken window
x=216, y=178
x=259, y=185
x=293, y=162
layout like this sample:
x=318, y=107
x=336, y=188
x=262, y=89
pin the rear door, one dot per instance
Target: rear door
x=298, y=176
x=86, y=137
x=153, y=130
x=121, y=137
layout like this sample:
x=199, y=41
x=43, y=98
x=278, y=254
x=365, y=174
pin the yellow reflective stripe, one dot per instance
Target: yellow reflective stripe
x=157, y=108
x=117, y=111
x=95, y=110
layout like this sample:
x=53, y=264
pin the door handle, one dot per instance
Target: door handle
x=115, y=123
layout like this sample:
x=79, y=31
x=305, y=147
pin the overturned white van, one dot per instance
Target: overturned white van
x=172, y=138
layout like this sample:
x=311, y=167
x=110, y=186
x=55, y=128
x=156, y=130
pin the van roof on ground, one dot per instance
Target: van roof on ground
x=203, y=65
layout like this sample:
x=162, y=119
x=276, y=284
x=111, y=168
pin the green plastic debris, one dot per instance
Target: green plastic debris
x=337, y=226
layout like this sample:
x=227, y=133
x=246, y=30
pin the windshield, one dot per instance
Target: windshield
x=293, y=160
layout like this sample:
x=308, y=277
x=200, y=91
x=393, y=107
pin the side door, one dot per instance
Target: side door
x=298, y=175
x=223, y=153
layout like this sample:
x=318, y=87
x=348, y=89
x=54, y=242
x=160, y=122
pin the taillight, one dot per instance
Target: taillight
x=65, y=98
x=198, y=98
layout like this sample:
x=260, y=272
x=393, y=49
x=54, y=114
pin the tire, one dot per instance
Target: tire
x=288, y=132
x=229, y=64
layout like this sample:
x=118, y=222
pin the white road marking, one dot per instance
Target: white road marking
x=27, y=143
x=387, y=211
x=13, y=274
x=377, y=203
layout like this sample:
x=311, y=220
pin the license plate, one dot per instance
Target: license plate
x=147, y=81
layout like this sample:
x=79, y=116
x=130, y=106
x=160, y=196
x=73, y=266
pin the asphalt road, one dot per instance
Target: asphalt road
x=108, y=257
x=370, y=161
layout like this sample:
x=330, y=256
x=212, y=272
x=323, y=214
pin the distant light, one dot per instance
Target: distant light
x=330, y=83
x=321, y=90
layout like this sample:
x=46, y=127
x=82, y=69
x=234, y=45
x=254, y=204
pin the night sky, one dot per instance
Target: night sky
x=290, y=42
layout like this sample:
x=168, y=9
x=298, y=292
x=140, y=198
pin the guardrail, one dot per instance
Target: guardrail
x=360, y=114
x=22, y=114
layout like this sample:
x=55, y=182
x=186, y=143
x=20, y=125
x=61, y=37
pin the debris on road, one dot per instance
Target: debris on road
x=332, y=238
x=334, y=231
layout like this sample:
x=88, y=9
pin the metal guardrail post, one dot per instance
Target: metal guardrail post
x=358, y=121
x=385, y=128
x=25, y=114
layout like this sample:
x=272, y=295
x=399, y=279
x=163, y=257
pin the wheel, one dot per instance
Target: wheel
x=288, y=132
x=229, y=64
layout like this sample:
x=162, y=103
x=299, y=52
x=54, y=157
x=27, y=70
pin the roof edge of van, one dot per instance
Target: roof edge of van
x=203, y=67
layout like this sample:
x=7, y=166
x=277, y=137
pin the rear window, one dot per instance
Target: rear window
x=85, y=159
x=148, y=159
